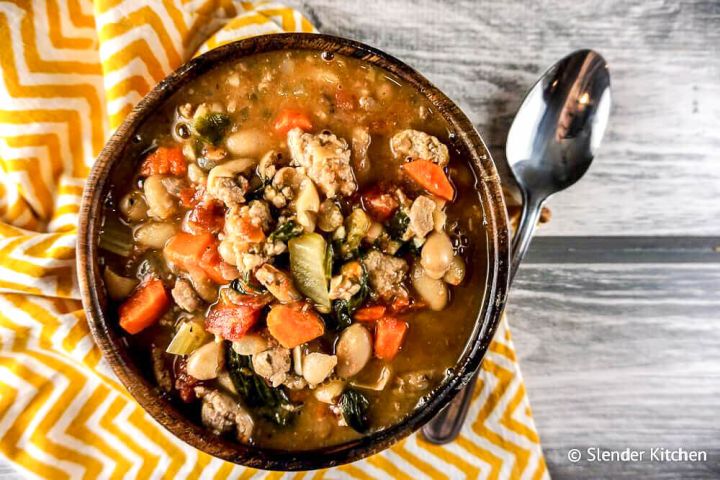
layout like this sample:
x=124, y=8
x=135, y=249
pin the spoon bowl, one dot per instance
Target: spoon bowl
x=557, y=130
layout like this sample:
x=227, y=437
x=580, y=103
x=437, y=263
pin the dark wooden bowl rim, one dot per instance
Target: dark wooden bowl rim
x=114, y=348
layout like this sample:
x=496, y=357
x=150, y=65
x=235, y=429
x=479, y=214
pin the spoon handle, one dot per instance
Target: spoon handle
x=446, y=425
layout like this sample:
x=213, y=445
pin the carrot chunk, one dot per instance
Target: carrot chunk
x=231, y=321
x=292, y=325
x=431, y=177
x=165, y=161
x=288, y=119
x=144, y=307
x=185, y=250
x=389, y=335
x=369, y=314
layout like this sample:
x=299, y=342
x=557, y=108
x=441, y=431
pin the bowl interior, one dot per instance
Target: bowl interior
x=111, y=167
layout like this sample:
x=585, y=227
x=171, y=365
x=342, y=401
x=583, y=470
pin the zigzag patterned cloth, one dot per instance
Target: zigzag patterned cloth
x=71, y=71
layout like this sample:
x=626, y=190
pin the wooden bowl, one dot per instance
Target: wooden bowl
x=112, y=164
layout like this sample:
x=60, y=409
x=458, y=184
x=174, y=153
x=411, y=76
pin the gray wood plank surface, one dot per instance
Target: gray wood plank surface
x=657, y=172
x=621, y=355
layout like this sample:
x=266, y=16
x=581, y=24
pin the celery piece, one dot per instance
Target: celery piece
x=307, y=264
x=189, y=337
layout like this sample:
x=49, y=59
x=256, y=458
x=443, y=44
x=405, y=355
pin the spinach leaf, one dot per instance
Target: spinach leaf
x=286, y=231
x=354, y=406
x=398, y=225
x=245, y=286
x=271, y=403
x=343, y=309
x=212, y=127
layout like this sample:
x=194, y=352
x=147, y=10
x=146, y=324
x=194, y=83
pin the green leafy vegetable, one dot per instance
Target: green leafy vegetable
x=398, y=225
x=271, y=403
x=286, y=231
x=212, y=127
x=343, y=309
x=357, y=224
x=354, y=406
x=308, y=254
x=245, y=286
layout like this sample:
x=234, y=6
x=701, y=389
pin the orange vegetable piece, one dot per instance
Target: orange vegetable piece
x=389, y=335
x=214, y=267
x=294, y=324
x=231, y=321
x=288, y=119
x=431, y=177
x=185, y=250
x=187, y=196
x=206, y=216
x=165, y=161
x=144, y=307
x=369, y=314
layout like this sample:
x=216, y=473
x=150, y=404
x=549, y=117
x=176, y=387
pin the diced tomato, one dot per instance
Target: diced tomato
x=431, y=177
x=294, y=324
x=389, y=335
x=379, y=205
x=231, y=321
x=369, y=314
x=345, y=100
x=288, y=119
x=164, y=161
x=190, y=196
x=206, y=216
x=144, y=307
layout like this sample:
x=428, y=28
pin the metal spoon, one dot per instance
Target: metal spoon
x=551, y=143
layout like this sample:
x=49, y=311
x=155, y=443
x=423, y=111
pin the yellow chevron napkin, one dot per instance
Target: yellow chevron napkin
x=71, y=71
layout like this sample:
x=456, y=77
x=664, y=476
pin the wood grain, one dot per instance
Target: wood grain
x=657, y=172
x=621, y=355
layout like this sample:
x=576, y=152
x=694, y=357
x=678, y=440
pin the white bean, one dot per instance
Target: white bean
x=433, y=291
x=161, y=204
x=328, y=392
x=437, y=253
x=307, y=205
x=154, y=234
x=196, y=174
x=133, y=206
x=204, y=362
x=353, y=349
x=456, y=272
x=317, y=367
x=230, y=169
x=251, y=142
x=250, y=344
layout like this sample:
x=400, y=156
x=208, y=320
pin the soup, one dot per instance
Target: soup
x=294, y=249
